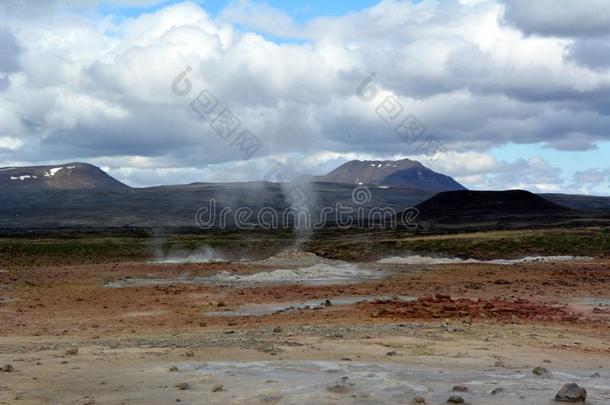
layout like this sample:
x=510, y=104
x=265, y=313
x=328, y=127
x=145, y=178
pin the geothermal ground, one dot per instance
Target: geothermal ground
x=299, y=328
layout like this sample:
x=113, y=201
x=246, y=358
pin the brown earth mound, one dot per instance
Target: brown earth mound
x=443, y=306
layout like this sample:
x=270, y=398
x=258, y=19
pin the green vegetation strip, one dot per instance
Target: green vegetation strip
x=350, y=245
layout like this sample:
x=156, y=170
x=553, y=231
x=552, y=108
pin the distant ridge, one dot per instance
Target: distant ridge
x=403, y=173
x=70, y=176
x=459, y=205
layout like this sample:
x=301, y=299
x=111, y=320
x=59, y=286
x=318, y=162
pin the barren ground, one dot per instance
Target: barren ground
x=480, y=325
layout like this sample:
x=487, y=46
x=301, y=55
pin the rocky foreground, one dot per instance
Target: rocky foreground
x=254, y=332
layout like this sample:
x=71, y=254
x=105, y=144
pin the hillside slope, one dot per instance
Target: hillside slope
x=404, y=173
x=71, y=176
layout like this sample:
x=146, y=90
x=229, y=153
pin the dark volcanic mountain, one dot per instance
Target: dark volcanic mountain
x=579, y=202
x=176, y=206
x=457, y=206
x=403, y=173
x=82, y=196
x=71, y=176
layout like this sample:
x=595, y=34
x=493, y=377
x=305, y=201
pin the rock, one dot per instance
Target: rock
x=496, y=391
x=218, y=388
x=8, y=368
x=392, y=353
x=173, y=368
x=455, y=399
x=189, y=353
x=419, y=400
x=72, y=351
x=571, y=393
x=277, y=329
x=182, y=386
x=338, y=389
x=541, y=372
x=328, y=303
x=460, y=388
x=595, y=375
x=499, y=363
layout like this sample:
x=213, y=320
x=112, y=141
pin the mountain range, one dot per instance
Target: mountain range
x=70, y=176
x=403, y=173
x=79, y=195
x=82, y=176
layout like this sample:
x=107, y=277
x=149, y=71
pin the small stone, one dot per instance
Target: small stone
x=419, y=400
x=455, y=399
x=338, y=389
x=571, y=393
x=189, y=353
x=218, y=388
x=173, y=368
x=182, y=386
x=89, y=401
x=8, y=368
x=277, y=329
x=499, y=363
x=460, y=388
x=541, y=372
x=392, y=353
x=496, y=391
x=328, y=303
x=72, y=351
x=595, y=375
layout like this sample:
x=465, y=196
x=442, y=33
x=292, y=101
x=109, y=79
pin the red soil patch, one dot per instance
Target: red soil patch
x=443, y=306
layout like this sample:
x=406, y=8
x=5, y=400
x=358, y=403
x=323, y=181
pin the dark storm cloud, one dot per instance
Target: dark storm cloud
x=101, y=89
x=593, y=52
x=9, y=51
x=565, y=18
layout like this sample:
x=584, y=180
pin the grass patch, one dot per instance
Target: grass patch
x=347, y=245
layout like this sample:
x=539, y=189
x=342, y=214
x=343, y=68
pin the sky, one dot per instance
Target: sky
x=504, y=94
